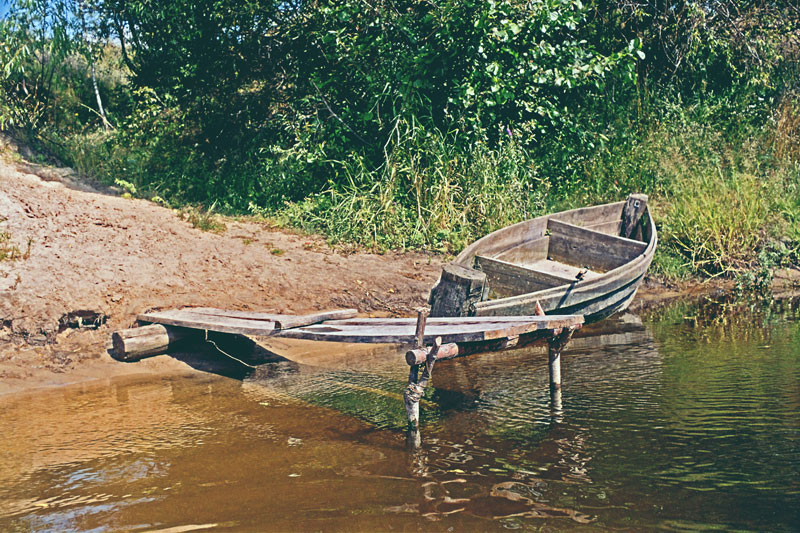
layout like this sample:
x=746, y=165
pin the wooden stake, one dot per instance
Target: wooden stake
x=556, y=343
x=422, y=318
x=417, y=383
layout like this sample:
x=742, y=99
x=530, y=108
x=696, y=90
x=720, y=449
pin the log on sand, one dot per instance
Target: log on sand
x=137, y=343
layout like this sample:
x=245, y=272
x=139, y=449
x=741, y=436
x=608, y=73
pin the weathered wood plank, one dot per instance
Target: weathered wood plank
x=504, y=239
x=508, y=279
x=284, y=321
x=587, y=216
x=632, y=215
x=575, y=298
x=458, y=289
x=563, y=270
x=527, y=252
x=452, y=350
x=187, y=319
x=247, y=323
x=609, y=228
x=405, y=333
x=476, y=320
x=137, y=343
x=584, y=247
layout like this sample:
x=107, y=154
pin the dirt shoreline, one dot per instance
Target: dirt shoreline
x=94, y=258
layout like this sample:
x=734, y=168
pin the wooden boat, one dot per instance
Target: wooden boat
x=587, y=261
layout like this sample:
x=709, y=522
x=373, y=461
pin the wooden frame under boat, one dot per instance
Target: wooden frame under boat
x=588, y=261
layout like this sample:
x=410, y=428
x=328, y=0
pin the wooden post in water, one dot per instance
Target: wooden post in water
x=555, y=344
x=417, y=382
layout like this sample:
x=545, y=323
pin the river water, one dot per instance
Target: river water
x=688, y=419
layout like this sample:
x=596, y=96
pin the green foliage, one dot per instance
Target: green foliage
x=406, y=124
x=720, y=192
x=431, y=193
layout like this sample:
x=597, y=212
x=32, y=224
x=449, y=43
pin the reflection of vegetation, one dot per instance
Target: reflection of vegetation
x=726, y=314
x=729, y=382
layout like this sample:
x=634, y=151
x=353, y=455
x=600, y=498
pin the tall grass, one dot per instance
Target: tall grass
x=724, y=188
x=723, y=191
x=429, y=193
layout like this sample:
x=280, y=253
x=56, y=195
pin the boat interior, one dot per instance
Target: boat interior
x=557, y=250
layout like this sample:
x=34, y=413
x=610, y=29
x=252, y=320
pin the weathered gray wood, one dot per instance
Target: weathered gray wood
x=189, y=318
x=137, y=343
x=591, y=303
x=575, y=296
x=417, y=383
x=445, y=320
x=556, y=344
x=404, y=333
x=632, y=215
x=584, y=247
x=595, y=214
x=527, y=252
x=609, y=228
x=504, y=239
x=186, y=319
x=419, y=333
x=507, y=279
x=459, y=288
x=283, y=321
x=567, y=272
x=452, y=350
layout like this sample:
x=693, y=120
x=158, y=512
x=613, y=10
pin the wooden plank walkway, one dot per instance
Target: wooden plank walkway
x=344, y=326
x=238, y=322
x=449, y=329
x=445, y=337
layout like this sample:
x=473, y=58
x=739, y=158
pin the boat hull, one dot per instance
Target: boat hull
x=529, y=255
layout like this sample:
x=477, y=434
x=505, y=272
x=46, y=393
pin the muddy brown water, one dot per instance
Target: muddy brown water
x=689, y=420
